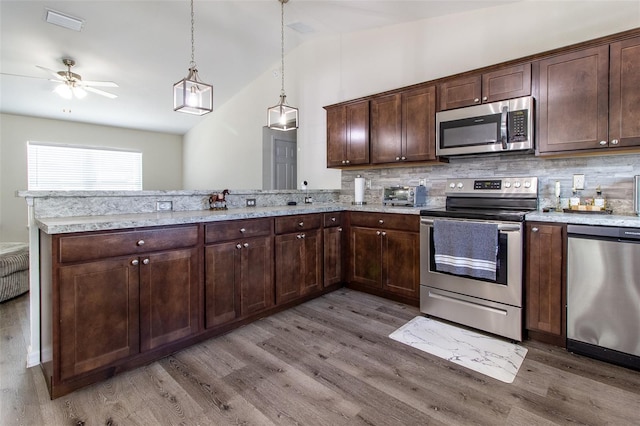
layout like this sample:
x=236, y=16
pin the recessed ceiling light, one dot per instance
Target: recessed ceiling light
x=301, y=27
x=63, y=20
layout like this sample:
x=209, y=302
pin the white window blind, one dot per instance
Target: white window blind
x=74, y=168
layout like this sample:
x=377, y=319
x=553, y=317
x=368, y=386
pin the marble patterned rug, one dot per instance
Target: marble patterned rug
x=479, y=352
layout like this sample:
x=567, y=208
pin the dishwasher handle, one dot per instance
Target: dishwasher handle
x=618, y=233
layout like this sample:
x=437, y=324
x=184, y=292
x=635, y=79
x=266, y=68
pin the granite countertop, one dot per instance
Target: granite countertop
x=63, y=225
x=627, y=221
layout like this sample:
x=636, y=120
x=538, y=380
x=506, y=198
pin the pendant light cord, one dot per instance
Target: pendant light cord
x=193, y=44
x=282, y=44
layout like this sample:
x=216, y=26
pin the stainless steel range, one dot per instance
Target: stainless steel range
x=471, y=254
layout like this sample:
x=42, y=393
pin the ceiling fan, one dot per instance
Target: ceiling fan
x=72, y=84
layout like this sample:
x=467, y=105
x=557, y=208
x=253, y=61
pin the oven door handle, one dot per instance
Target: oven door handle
x=502, y=228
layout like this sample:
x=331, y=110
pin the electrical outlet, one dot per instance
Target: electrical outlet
x=578, y=182
x=163, y=206
x=251, y=202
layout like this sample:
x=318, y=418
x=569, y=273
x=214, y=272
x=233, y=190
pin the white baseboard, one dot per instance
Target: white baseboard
x=33, y=358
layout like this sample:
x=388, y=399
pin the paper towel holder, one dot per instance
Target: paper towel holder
x=359, y=203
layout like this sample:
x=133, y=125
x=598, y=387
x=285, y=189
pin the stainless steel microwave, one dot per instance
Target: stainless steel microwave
x=496, y=127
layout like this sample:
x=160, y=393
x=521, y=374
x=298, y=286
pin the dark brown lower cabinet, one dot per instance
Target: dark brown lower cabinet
x=239, y=279
x=333, y=248
x=384, y=254
x=298, y=256
x=545, y=282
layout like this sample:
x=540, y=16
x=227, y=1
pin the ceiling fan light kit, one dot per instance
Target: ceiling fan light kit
x=190, y=95
x=282, y=116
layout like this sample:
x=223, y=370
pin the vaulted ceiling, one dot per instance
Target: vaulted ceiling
x=144, y=46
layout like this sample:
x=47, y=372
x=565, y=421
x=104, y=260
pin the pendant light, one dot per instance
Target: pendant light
x=191, y=95
x=282, y=116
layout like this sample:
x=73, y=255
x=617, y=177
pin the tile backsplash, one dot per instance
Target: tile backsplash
x=613, y=173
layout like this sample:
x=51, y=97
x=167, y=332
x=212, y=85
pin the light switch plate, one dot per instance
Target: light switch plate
x=578, y=181
x=163, y=206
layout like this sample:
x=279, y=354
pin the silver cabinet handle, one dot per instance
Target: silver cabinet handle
x=340, y=229
x=381, y=221
x=378, y=233
x=242, y=230
x=301, y=224
x=404, y=158
x=344, y=161
x=145, y=261
x=245, y=245
x=384, y=233
x=333, y=219
x=476, y=100
x=238, y=246
x=135, y=262
x=348, y=162
x=299, y=236
x=615, y=142
x=397, y=158
x=303, y=235
x=603, y=143
x=534, y=229
x=140, y=243
x=484, y=98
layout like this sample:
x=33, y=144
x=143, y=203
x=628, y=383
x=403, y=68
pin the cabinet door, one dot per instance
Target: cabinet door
x=220, y=283
x=365, y=262
x=357, y=116
x=256, y=275
x=336, y=136
x=168, y=297
x=401, y=263
x=544, y=278
x=98, y=308
x=506, y=83
x=624, y=96
x=386, y=129
x=333, y=243
x=460, y=92
x=419, y=124
x=289, y=257
x=311, y=267
x=573, y=101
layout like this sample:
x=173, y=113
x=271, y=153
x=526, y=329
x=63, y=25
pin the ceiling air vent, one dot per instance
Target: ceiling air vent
x=66, y=21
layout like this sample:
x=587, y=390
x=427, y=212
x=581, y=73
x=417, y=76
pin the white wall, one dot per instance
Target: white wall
x=224, y=150
x=161, y=159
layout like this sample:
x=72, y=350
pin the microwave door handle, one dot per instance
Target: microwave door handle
x=503, y=126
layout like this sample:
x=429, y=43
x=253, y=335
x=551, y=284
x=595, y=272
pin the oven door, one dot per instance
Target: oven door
x=506, y=289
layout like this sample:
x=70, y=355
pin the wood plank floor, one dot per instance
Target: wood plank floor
x=326, y=362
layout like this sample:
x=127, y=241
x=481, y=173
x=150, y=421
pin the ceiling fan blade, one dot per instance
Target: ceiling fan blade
x=52, y=72
x=97, y=83
x=100, y=92
x=25, y=76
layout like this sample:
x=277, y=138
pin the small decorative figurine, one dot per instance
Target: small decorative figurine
x=217, y=201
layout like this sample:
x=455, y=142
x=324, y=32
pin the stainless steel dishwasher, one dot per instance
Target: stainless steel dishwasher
x=603, y=293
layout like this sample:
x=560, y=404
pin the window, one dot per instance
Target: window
x=74, y=168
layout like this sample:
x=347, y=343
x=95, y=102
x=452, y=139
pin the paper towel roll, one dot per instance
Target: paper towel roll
x=359, y=190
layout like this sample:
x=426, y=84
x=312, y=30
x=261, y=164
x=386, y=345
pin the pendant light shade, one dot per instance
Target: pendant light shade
x=190, y=95
x=282, y=116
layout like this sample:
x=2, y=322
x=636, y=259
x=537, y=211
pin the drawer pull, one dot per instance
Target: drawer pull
x=243, y=230
x=238, y=246
x=140, y=243
x=534, y=229
x=245, y=245
x=378, y=233
x=333, y=219
x=340, y=229
x=145, y=261
x=381, y=221
x=301, y=224
x=135, y=262
x=384, y=233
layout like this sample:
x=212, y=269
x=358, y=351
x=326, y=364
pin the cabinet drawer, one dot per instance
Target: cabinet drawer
x=76, y=248
x=332, y=219
x=232, y=229
x=403, y=222
x=286, y=224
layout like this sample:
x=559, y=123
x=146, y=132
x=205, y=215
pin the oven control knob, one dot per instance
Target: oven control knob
x=452, y=185
x=460, y=185
x=507, y=184
x=527, y=184
x=517, y=184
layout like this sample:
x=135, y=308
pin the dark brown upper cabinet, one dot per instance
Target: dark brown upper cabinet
x=403, y=126
x=348, y=134
x=503, y=83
